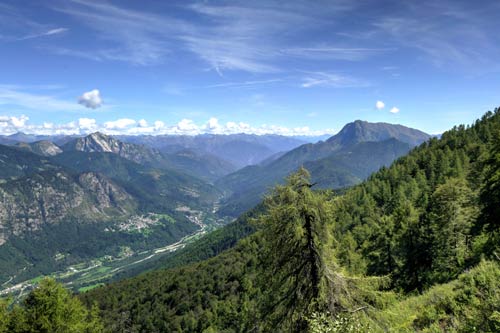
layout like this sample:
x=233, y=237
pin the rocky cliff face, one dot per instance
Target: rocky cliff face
x=98, y=142
x=29, y=203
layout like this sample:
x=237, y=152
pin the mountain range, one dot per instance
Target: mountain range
x=414, y=248
x=81, y=198
x=343, y=160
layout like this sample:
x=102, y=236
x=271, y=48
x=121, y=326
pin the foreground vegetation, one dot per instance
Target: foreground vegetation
x=415, y=248
x=49, y=308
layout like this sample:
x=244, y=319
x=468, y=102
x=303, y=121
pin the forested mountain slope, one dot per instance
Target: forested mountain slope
x=341, y=161
x=321, y=262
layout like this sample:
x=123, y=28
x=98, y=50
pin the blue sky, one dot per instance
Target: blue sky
x=295, y=67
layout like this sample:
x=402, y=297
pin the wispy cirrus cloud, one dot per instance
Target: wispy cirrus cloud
x=238, y=35
x=243, y=84
x=336, y=53
x=328, y=79
x=17, y=26
x=137, y=37
x=50, y=32
x=447, y=33
x=26, y=97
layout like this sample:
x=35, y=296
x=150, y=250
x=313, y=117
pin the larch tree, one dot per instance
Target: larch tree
x=296, y=242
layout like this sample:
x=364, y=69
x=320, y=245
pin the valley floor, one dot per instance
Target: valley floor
x=90, y=274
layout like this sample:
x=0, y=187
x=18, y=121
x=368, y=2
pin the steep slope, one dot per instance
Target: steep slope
x=76, y=206
x=201, y=165
x=15, y=163
x=154, y=188
x=352, y=165
x=43, y=148
x=98, y=142
x=415, y=225
x=363, y=131
x=245, y=187
x=53, y=219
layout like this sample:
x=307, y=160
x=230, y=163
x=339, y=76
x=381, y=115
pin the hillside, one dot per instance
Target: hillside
x=15, y=163
x=411, y=228
x=350, y=165
x=202, y=165
x=43, y=148
x=245, y=187
x=78, y=207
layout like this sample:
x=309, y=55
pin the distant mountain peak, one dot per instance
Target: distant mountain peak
x=42, y=147
x=98, y=142
x=103, y=143
x=362, y=131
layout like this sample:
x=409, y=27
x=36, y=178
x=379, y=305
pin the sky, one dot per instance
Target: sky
x=281, y=67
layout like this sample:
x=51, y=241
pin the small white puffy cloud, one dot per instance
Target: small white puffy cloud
x=379, y=105
x=186, y=125
x=119, y=124
x=159, y=125
x=212, y=124
x=91, y=99
x=142, y=123
x=86, y=123
x=394, y=110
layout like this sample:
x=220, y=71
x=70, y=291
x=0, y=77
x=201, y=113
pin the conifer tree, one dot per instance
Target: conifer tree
x=491, y=189
x=295, y=245
x=4, y=316
x=52, y=309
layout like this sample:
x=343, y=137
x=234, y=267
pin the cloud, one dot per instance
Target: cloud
x=120, y=124
x=336, y=53
x=91, y=99
x=240, y=35
x=132, y=36
x=243, y=84
x=125, y=126
x=19, y=96
x=50, y=32
x=12, y=123
x=379, y=105
x=325, y=79
x=394, y=110
x=87, y=123
x=453, y=34
x=15, y=25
